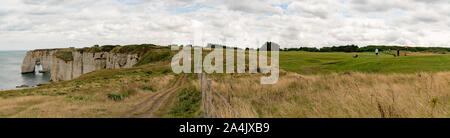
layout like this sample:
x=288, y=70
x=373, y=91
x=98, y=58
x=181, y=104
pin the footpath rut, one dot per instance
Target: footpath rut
x=150, y=105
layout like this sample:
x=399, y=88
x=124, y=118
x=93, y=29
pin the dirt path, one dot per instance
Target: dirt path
x=150, y=105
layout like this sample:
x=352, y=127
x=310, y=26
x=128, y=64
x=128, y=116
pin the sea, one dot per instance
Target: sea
x=10, y=72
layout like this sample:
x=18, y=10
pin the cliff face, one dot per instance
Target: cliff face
x=43, y=57
x=83, y=62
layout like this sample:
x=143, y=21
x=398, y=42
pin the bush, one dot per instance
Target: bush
x=347, y=48
x=118, y=97
x=149, y=72
x=165, y=71
x=369, y=48
x=149, y=88
x=309, y=49
x=133, y=49
x=96, y=48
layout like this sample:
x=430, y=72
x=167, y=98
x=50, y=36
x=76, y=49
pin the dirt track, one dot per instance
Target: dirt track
x=153, y=103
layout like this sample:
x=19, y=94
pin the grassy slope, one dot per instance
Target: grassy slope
x=317, y=63
x=87, y=96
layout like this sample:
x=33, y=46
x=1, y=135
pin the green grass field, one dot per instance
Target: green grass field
x=316, y=63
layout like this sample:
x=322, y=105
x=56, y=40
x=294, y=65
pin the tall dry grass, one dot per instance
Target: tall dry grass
x=355, y=95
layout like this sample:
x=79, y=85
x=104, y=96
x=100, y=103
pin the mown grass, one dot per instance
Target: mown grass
x=317, y=63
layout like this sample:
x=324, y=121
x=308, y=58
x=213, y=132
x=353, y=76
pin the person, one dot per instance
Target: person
x=376, y=51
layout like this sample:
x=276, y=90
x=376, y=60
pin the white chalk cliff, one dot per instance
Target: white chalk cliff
x=82, y=63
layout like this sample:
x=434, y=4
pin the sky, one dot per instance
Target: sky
x=34, y=24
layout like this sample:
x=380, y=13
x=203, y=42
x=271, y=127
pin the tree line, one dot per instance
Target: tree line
x=369, y=48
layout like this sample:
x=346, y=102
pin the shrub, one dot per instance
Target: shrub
x=118, y=97
x=149, y=88
x=165, y=71
x=133, y=49
x=149, y=72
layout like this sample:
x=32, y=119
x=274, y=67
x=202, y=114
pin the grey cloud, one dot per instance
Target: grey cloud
x=432, y=1
x=427, y=19
x=313, y=8
x=378, y=5
x=250, y=6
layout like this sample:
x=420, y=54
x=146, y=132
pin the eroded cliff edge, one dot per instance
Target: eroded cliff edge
x=40, y=56
x=67, y=64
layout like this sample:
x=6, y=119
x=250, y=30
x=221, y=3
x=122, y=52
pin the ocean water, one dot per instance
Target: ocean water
x=10, y=71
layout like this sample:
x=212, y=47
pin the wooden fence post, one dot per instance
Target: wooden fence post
x=204, y=94
x=209, y=97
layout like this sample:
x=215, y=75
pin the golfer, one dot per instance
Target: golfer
x=376, y=51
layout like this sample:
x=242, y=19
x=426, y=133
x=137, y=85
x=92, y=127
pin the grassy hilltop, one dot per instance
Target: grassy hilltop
x=326, y=84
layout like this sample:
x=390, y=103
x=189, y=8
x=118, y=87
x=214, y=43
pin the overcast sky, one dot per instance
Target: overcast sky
x=31, y=24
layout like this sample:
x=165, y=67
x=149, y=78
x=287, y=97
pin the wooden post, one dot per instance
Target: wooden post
x=209, y=97
x=203, y=92
x=204, y=95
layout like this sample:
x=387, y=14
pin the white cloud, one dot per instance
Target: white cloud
x=30, y=24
